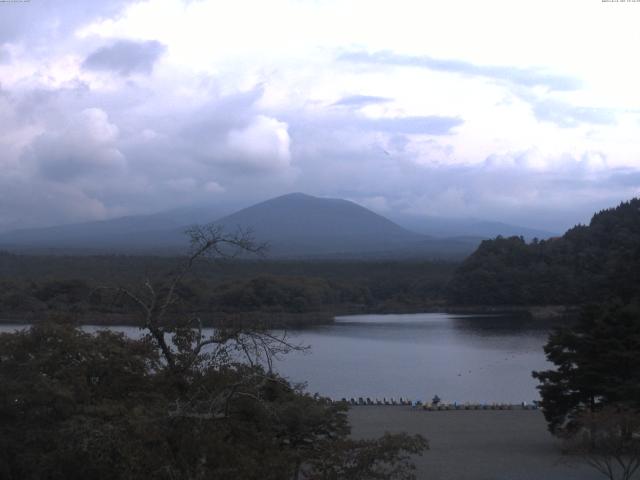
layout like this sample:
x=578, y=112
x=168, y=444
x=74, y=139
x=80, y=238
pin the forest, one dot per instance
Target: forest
x=599, y=261
x=596, y=261
x=289, y=292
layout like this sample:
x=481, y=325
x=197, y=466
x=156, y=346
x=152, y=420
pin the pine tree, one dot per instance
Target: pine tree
x=597, y=364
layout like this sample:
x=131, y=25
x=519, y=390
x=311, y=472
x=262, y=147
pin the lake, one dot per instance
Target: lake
x=463, y=358
x=458, y=357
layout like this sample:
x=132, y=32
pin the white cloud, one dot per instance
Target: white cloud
x=213, y=187
x=250, y=100
x=594, y=161
x=263, y=144
x=94, y=124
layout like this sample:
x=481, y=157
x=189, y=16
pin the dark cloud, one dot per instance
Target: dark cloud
x=87, y=146
x=125, y=57
x=32, y=202
x=625, y=177
x=526, y=77
x=361, y=101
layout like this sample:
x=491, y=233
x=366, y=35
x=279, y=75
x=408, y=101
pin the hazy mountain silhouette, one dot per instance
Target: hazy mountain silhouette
x=294, y=225
x=455, y=227
x=297, y=225
x=150, y=233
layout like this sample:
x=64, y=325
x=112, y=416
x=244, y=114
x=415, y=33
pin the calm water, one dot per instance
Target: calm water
x=460, y=358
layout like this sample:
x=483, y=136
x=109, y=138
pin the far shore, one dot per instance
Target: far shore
x=476, y=444
x=278, y=320
x=535, y=312
x=269, y=320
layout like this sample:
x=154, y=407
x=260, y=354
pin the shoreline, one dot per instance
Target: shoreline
x=267, y=320
x=275, y=320
x=441, y=407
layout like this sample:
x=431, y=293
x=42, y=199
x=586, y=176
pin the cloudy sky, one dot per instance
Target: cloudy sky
x=519, y=111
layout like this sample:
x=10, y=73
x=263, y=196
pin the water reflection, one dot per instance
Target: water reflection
x=459, y=357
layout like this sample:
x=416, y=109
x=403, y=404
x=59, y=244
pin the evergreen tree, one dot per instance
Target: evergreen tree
x=601, y=261
x=597, y=364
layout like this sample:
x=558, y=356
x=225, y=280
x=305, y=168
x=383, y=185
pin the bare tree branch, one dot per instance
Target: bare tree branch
x=206, y=242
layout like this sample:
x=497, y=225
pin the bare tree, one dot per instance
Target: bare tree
x=609, y=441
x=181, y=339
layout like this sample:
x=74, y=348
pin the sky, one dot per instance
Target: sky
x=525, y=112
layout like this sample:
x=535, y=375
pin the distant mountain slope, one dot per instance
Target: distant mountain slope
x=138, y=233
x=459, y=227
x=294, y=225
x=597, y=262
x=299, y=224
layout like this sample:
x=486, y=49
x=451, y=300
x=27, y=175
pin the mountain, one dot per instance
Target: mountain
x=466, y=227
x=301, y=225
x=294, y=225
x=154, y=232
x=589, y=263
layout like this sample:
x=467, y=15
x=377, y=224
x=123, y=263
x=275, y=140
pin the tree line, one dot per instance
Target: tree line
x=34, y=287
x=596, y=261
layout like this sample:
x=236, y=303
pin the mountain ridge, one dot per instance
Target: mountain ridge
x=295, y=225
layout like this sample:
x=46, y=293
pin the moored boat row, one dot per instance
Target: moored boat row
x=438, y=406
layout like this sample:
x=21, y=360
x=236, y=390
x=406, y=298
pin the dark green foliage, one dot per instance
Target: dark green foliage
x=597, y=364
x=72, y=404
x=77, y=406
x=599, y=261
x=386, y=458
x=293, y=294
x=33, y=286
